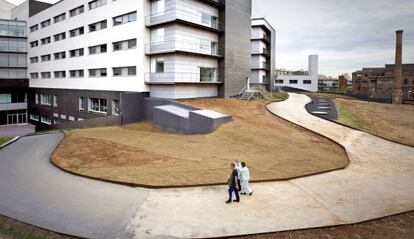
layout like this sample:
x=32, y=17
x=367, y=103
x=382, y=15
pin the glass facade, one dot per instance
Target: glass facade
x=13, y=66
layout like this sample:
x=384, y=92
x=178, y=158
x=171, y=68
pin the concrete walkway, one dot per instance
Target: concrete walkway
x=378, y=182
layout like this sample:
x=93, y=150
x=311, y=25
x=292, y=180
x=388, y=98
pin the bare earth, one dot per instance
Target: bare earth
x=399, y=226
x=142, y=154
x=394, y=122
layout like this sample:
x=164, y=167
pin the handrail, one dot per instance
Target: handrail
x=181, y=77
x=183, y=45
x=181, y=15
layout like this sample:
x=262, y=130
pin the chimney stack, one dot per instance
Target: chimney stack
x=397, y=92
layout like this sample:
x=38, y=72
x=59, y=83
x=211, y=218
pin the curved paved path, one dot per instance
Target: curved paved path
x=377, y=183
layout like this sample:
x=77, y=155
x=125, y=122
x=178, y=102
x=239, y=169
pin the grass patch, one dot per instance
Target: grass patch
x=4, y=140
x=348, y=116
x=11, y=229
x=394, y=122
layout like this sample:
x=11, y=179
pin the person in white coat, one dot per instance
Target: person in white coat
x=244, y=180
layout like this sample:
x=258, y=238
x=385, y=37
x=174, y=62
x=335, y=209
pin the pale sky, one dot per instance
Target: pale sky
x=346, y=34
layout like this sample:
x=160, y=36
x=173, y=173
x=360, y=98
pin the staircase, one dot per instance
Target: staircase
x=248, y=92
x=247, y=95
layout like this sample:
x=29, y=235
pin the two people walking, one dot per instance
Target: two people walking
x=238, y=181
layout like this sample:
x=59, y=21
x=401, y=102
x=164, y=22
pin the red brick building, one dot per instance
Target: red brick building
x=378, y=82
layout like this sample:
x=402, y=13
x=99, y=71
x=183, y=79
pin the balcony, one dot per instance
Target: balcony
x=183, y=46
x=263, y=51
x=13, y=106
x=219, y=3
x=184, y=16
x=261, y=36
x=262, y=66
x=171, y=78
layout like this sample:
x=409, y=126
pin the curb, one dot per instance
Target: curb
x=10, y=141
x=136, y=185
x=360, y=130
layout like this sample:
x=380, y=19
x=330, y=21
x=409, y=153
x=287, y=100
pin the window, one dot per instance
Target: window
x=34, y=75
x=34, y=59
x=100, y=72
x=59, y=18
x=157, y=7
x=76, y=52
x=96, y=4
x=45, y=120
x=279, y=81
x=130, y=17
x=45, y=40
x=97, y=49
x=157, y=35
x=208, y=74
x=46, y=75
x=55, y=101
x=60, y=74
x=34, y=117
x=60, y=36
x=125, y=45
x=60, y=55
x=77, y=11
x=115, y=107
x=81, y=103
x=307, y=82
x=97, y=105
x=157, y=65
x=45, y=57
x=45, y=99
x=405, y=81
x=76, y=73
x=76, y=32
x=293, y=81
x=34, y=28
x=125, y=71
x=45, y=23
x=34, y=44
x=97, y=26
x=37, y=98
x=207, y=19
x=5, y=98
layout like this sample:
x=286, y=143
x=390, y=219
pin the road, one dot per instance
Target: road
x=377, y=183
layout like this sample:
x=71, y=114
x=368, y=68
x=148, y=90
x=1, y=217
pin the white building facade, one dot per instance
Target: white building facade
x=263, y=37
x=83, y=55
x=303, y=82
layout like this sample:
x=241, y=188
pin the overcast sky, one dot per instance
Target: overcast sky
x=346, y=34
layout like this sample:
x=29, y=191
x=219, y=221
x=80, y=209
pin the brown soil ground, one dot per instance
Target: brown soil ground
x=394, y=122
x=399, y=226
x=142, y=154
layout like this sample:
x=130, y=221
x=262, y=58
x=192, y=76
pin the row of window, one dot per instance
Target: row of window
x=119, y=20
x=72, y=13
x=94, y=105
x=98, y=72
x=294, y=82
x=116, y=46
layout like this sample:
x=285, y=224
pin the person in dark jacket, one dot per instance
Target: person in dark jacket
x=233, y=183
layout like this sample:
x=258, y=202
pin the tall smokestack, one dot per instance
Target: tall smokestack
x=397, y=93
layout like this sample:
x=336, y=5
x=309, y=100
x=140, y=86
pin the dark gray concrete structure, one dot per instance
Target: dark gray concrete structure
x=179, y=119
x=235, y=67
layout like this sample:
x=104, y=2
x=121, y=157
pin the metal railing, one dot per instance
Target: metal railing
x=181, y=77
x=178, y=14
x=182, y=45
x=13, y=106
x=262, y=51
